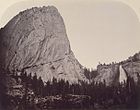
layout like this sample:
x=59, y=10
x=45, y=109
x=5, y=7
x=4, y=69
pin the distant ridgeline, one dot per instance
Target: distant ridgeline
x=116, y=72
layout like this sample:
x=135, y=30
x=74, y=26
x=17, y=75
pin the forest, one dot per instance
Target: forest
x=38, y=95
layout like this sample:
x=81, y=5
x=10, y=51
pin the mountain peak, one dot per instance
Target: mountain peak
x=35, y=10
x=36, y=41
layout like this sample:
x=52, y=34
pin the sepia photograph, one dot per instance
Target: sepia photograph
x=70, y=55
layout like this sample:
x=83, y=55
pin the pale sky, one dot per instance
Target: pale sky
x=98, y=30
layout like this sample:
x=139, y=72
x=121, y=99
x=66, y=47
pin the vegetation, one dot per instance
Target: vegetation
x=61, y=94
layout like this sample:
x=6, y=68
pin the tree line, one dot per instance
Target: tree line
x=125, y=94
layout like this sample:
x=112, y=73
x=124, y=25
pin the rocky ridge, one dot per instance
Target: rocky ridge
x=110, y=72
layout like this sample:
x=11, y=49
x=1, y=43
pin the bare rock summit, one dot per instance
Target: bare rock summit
x=35, y=41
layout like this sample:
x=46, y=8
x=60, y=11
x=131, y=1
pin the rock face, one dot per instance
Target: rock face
x=111, y=72
x=36, y=41
x=132, y=66
x=107, y=73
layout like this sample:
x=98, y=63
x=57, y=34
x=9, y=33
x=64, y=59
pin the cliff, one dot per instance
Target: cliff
x=110, y=73
x=35, y=41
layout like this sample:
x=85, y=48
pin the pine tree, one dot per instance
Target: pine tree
x=40, y=86
x=34, y=83
x=54, y=86
x=47, y=89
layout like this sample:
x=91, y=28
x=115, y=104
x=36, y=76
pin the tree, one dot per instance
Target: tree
x=34, y=83
x=47, y=89
x=40, y=86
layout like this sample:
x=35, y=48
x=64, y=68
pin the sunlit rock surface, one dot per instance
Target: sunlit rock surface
x=36, y=41
x=132, y=66
x=108, y=74
x=118, y=72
